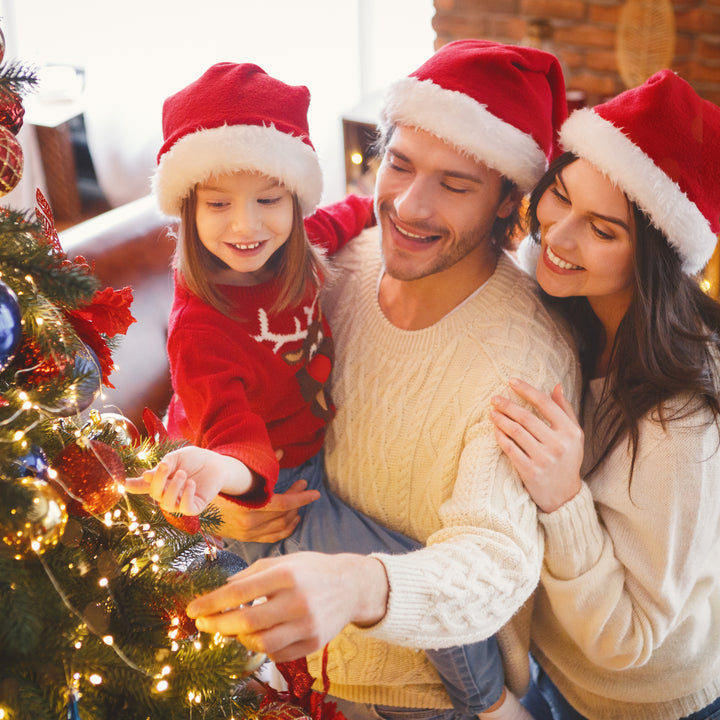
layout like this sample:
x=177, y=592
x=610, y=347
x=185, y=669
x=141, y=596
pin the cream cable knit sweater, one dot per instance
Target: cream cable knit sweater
x=632, y=575
x=412, y=446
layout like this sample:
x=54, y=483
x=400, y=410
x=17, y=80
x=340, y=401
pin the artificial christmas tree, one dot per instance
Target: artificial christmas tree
x=93, y=582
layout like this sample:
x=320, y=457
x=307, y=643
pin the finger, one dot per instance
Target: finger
x=240, y=589
x=517, y=443
x=138, y=485
x=542, y=402
x=172, y=492
x=291, y=500
x=157, y=477
x=189, y=503
x=277, y=529
x=558, y=395
x=521, y=416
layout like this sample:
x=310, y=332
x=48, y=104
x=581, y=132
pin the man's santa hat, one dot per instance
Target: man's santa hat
x=660, y=143
x=501, y=104
x=232, y=118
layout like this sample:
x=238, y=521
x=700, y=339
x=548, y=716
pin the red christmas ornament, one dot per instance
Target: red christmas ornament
x=36, y=368
x=93, y=472
x=189, y=523
x=12, y=113
x=11, y=161
x=281, y=710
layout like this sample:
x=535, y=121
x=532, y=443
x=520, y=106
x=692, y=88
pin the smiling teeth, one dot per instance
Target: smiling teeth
x=555, y=260
x=406, y=233
x=252, y=246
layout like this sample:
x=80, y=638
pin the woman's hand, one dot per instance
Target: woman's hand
x=267, y=524
x=546, y=453
x=290, y=606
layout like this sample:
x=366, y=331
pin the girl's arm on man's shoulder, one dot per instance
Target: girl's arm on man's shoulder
x=334, y=225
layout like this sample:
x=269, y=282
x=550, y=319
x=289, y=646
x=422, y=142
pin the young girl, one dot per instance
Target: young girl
x=627, y=617
x=250, y=350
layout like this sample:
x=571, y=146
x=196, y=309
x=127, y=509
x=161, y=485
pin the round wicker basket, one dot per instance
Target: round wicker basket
x=645, y=39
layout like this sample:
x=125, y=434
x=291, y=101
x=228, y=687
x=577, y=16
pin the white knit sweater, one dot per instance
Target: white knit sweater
x=412, y=446
x=627, y=620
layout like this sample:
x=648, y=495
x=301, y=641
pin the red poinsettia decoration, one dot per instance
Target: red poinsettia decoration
x=300, y=692
x=106, y=316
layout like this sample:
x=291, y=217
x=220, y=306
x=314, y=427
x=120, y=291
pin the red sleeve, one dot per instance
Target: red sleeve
x=206, y=375
x=332, y=226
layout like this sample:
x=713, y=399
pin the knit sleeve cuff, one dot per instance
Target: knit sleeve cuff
x=573, y=536
x=407, y=600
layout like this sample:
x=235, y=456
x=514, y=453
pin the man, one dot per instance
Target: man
x=428, y=327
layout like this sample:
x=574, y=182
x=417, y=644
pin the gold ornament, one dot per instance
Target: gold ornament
x=35, y=517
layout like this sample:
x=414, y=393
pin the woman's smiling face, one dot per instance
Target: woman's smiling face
x=588, y=238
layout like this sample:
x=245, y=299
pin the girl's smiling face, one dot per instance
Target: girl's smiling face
x=588, y=237
x=243, y=218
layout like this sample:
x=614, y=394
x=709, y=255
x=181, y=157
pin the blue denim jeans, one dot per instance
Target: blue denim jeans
x=362, y=711
x=545, y=702
x=472, y=674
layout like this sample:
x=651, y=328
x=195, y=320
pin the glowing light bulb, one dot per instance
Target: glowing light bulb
x=95, y=679
x=356, y=158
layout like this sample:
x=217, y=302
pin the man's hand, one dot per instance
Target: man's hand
x=307, y=599
x=272, y=522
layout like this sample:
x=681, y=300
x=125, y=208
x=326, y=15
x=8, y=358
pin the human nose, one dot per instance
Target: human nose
x=562, y=231
x=245, y=218
x=414, y=201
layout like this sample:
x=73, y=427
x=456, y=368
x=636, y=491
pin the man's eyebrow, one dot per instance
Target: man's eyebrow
x=457, y=174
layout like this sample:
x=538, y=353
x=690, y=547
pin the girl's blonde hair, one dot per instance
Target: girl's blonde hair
x=300, y=265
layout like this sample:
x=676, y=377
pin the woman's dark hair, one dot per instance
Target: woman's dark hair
x=667, y=343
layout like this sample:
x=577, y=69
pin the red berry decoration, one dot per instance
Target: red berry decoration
x=93, y=472
x=11, y=161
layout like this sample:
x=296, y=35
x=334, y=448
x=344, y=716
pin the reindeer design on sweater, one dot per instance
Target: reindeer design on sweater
x=315, y=356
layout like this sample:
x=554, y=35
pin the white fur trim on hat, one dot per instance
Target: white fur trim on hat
x=605, y=146
x=230, y=148
x=466, y=124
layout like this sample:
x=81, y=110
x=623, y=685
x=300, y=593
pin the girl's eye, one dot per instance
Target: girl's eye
x=269, y=201
x=216, y=204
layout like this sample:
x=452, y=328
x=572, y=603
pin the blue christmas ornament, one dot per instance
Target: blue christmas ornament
x=10, y=325
x=34, y=462
x=85, y=369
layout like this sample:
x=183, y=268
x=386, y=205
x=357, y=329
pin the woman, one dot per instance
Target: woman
x=627, y=619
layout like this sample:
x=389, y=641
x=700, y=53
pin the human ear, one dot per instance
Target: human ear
x=509, y=203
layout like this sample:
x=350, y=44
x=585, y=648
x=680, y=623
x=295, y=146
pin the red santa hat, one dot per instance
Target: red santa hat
x=236, y=117
x=501, y=104
x=660, y=143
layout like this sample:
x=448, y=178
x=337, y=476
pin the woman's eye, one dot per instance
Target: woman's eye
x=601, y=233
x=559, y=196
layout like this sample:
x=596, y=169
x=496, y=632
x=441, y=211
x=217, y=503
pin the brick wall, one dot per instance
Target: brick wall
x=583, y=37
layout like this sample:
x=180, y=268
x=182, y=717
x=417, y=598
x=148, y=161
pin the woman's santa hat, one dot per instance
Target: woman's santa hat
x=236, y=117
x=660, y=143
x=501, y=104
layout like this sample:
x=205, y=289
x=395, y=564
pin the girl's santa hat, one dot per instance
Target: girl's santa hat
x=232, y=118
x=501, y=104
x=660, y=143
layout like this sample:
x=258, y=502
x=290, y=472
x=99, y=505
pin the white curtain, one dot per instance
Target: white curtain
x=137, y=52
